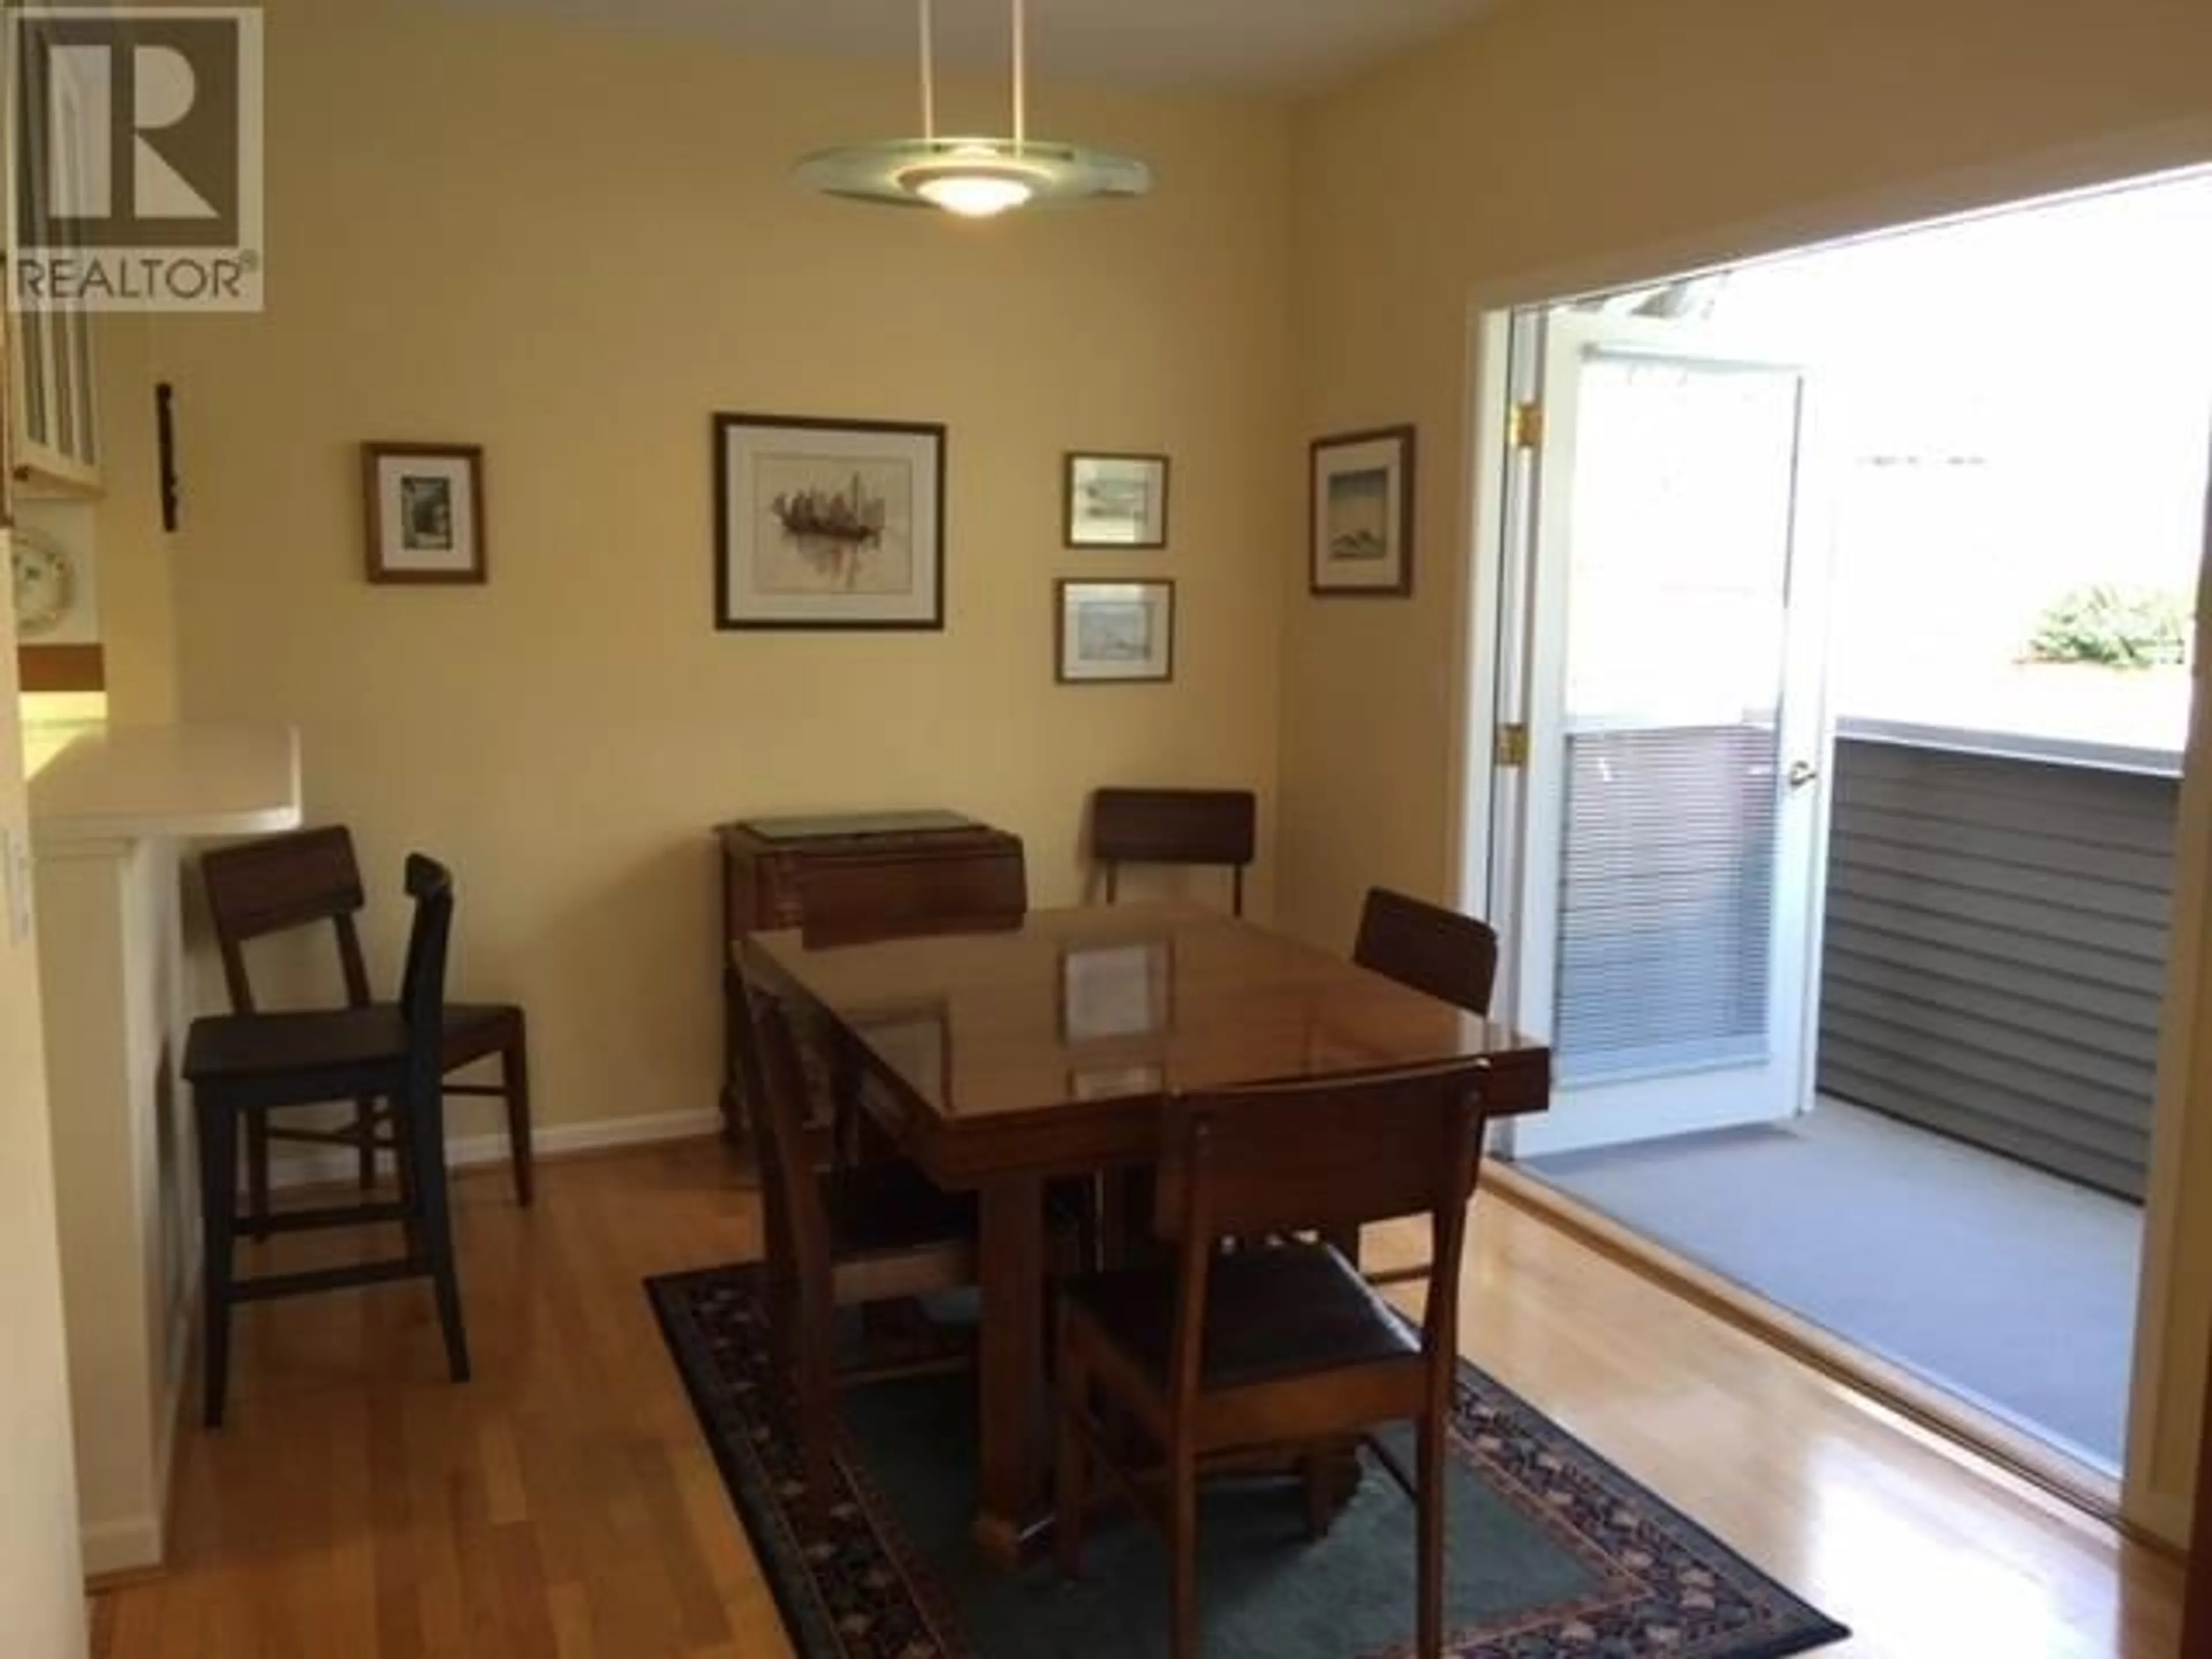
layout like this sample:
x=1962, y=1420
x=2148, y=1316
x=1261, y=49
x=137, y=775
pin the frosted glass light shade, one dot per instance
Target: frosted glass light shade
x=977, y=177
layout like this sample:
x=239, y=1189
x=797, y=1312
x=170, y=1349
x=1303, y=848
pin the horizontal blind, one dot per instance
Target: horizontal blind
x=1666, y=901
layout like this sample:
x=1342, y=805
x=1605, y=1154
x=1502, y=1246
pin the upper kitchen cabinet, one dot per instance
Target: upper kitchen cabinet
x=56, y=449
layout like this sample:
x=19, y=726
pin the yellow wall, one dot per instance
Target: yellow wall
x=571, y=247
x=1609, y=140
x=137, y=562
x=41, y=1603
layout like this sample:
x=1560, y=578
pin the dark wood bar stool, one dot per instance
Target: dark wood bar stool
x=304, y=879
x=245, y=1065
x=1173, y=826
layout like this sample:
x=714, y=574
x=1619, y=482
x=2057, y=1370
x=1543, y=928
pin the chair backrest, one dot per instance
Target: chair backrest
x=423, y=983
x=851, y=897
x=777, y=1088
x=1452, y=957
x=1325, y=1156
x=279, y=882
x=1173, y=826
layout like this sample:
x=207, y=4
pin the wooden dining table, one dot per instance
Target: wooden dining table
x=1000, y=1061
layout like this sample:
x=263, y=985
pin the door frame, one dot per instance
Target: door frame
x=2173, y=1335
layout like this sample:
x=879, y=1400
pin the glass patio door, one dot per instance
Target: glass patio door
x=1673, y=807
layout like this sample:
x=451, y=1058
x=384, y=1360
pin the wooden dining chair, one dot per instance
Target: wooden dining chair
x=851, y=899
x=838, y=1237
x=304, y=879
x=1218, y=1355
x=1452, y=957
x=1174, y=827
x=245, y=1065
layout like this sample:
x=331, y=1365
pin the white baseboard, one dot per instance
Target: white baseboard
x=128, y=1546
x=316, y=1168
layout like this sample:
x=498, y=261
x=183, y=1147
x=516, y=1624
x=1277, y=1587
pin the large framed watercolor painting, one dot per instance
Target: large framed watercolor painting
x=828, y=524
x=1362, y=510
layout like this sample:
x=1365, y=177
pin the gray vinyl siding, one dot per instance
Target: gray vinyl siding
x=1995, y=951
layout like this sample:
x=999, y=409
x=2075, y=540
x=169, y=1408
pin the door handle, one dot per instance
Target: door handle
x=1803, y=773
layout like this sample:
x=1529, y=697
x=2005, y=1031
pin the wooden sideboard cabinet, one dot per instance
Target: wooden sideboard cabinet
x=761, y=859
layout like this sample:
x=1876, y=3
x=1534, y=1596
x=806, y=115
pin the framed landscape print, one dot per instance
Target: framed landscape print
x=426, y=512
x=1116, y=500
x=828, y=524
x=1115, y=631
x=1362, y=513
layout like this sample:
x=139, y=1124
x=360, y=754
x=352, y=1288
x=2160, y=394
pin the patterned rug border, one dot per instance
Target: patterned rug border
x=789, y=1563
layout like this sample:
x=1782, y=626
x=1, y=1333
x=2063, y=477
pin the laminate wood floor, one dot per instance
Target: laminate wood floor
x=564, y=1504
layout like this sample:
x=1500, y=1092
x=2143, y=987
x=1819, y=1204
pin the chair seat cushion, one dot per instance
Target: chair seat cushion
x=890, y=1208
x=1270, y=1314
x=260, y=1044
x=223, y=1047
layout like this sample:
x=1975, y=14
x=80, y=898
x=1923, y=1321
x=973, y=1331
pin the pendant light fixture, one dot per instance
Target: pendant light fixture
x=974, y=178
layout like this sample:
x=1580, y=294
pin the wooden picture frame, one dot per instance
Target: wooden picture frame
x=828, y=524
x=425, y=509
x=1113, y=632
x=1114, y=501
x=1359, y=514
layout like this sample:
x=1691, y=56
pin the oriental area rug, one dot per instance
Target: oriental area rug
x=1553, y=1553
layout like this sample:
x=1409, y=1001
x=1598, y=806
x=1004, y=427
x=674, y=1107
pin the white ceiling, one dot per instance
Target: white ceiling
x=1247, y=45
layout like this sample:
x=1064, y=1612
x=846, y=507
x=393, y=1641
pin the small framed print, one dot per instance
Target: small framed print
x=1115, y=631
x=1361, y=506
x=1111, y=992
x=1116, y=500
x=426, y=512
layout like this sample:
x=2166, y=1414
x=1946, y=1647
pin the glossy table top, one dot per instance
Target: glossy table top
x=1076, y=1010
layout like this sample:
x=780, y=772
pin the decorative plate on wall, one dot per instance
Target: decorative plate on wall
x=48, y=587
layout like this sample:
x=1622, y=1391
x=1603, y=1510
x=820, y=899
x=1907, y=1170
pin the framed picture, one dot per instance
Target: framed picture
x=1116, y=500
x=828, y=524
x=1113, y=631
x=1112, y=992
x=426, y=512
x=1362, y=512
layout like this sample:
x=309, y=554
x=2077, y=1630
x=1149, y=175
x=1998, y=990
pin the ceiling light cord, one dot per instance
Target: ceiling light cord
x=1021, y=76
x=929, y=76
x=977, y=177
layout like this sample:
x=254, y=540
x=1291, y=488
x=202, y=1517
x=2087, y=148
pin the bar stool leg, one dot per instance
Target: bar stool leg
x=364, y=1155
x=257, y=1172
x=218, y=1139
x=403, y=1175
x=514, y=1074
x=425, y=1134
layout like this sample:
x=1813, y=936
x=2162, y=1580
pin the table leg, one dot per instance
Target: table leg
x=1010, y=1362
